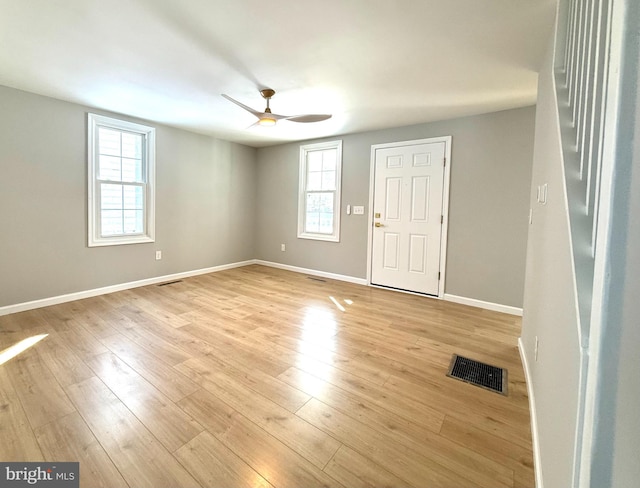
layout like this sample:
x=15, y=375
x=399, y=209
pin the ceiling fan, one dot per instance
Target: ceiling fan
x=268, y=118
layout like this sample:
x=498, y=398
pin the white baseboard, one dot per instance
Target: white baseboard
x=313, y=272
x=362, y=281
x=534, y=418
x=45, y=302
x=496, y=307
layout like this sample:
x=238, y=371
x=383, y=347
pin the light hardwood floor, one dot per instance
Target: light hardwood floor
x=258, y=377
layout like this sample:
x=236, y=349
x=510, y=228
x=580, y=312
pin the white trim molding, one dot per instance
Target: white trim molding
x=145, y=181
x=472, y=302
x=312, y=272
x=45, y=302
x=537, y=465
x=447, y=140
x=304, y=190
x=496, y=307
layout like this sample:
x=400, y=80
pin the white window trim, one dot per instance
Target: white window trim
x=335, y=237
x=95, y=239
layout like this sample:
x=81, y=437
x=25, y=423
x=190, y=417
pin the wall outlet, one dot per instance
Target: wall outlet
x=283, y=248
x=358, y=210
x=158, y=255
x=541, y=193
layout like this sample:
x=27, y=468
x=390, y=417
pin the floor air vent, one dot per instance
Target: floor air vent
x=170, y=283
x=316, y=279
x=479, y=374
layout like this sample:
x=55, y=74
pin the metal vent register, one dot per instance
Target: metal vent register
x=479, y=374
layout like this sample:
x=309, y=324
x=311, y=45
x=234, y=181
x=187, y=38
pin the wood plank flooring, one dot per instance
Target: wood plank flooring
x=259, y=377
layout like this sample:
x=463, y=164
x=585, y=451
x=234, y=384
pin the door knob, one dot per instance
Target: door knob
x=378, y=224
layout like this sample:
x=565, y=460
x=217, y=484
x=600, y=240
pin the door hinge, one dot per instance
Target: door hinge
x=444, y=163
x=442, y=219
x=438, y=275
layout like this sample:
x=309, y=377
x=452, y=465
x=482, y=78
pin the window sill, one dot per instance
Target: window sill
x=319, y=237
x=119, y=240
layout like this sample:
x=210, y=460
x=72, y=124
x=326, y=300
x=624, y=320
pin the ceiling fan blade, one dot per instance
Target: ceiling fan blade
x=309, y=118
x=275, y=116
x=248, y=109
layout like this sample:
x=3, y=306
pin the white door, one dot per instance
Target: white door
x=408, y=216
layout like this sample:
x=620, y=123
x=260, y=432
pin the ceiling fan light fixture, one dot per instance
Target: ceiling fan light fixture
x=267, y=121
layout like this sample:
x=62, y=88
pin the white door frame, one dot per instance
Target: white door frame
x=445, y=204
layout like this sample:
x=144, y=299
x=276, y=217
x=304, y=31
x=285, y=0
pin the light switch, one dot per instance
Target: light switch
x=358, y=210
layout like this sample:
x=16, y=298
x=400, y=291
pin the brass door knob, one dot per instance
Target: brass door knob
x=378, y=224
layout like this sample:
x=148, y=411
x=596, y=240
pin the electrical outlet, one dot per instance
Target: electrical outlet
x=283, y=248
x=158, y=255
x=541, y=193
x=358, y=210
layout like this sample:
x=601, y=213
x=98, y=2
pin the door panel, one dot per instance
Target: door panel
x=417, y=253
x=408, y=192
x=420, y=198
x=390, y=258
x=393, y=199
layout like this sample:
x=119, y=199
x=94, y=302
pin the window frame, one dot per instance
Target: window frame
x=302, y=191
x=94, y=213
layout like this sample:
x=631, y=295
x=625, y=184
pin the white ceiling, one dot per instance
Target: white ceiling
x=371, y=63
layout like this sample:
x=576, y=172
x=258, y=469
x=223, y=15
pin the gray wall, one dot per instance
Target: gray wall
x=489, y=204
x=205, y=201
x=219, y=202
x=550, y=311
x=550, y=302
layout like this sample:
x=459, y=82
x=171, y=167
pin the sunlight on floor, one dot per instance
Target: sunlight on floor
x=23, y=345
x=316, y=345
x=337, y=304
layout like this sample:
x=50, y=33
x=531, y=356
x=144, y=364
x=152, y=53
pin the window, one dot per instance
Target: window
x=121, y=182
x=319, y=201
